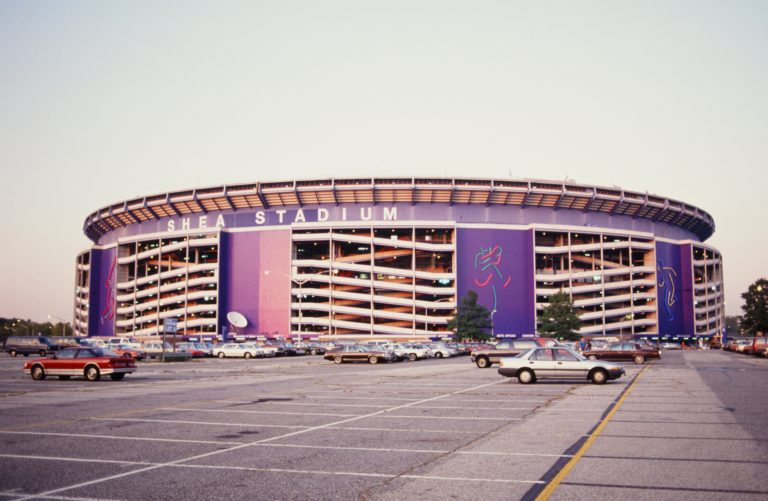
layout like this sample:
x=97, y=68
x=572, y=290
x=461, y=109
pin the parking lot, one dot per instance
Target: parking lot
x=690, y=426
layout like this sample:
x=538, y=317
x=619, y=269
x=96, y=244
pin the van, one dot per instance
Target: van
x=26, y=345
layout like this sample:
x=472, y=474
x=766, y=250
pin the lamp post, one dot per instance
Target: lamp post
x=493, y=333
x=63, y=323
x=300, y=283
x=426, y=323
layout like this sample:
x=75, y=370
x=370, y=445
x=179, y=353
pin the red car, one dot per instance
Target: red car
x=126, y=351
x=91, y=363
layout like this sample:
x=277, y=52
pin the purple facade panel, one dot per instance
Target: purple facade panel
x=686, y=271
x=671, y=295
x=498, y=266
x=102, y=286
x=264, y=300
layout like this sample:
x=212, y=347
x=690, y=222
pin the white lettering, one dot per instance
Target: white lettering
x=280, y=214
x=364, y=216
x=322, y=215
x=260, y=218
x=171, y=225
x=202, y=222
x=220, y=221
x=299, y=217
x=185, y=223
x=390, y=213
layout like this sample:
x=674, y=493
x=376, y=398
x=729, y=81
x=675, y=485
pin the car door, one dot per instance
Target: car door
x=61, y=364
x=616, y=352
x=543, y=363
x=568, y=365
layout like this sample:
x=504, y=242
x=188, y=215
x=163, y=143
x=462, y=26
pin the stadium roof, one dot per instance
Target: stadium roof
x=455, y=191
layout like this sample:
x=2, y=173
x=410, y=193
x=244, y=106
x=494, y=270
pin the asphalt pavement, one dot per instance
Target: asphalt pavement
x=690, y=426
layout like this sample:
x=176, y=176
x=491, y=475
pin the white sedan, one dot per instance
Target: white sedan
x=557, y=362
x=238, y=350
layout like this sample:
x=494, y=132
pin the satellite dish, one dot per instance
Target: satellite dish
x=237, y=319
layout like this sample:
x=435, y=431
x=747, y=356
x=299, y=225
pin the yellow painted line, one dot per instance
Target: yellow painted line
x=550, y=488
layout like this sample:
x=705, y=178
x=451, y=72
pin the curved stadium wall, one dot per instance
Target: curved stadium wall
x=391, y=257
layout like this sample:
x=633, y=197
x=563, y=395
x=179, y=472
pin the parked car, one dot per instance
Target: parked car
x=65, y=341
x=359, y=353
x=442, y=350
x=624, y=352
x=155, y=349
x=239, y=350
x=133, y=343
x=28, y=345
x=413, y=351
x=90, y=363
x=461, y=348
x=292, y=350
x=557, y=362
x=485, y=358
x=315, y=348
x=758, y=345
x=126, y=351
x=190, y=348
x=739, y=345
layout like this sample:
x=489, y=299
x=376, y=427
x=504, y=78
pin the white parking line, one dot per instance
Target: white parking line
x=202, y=423
x=13, y=494
x=257, y=425
x=378, y=399
x=179, y=462
x=313, y=404
x=290, y=446
x=242, y=411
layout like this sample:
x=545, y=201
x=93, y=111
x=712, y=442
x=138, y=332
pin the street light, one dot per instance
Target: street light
x=426, y=323
x=63, y=323
x=300, y=283
x=493, y=334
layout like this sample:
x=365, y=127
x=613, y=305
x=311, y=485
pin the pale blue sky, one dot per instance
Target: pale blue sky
x=101, y=101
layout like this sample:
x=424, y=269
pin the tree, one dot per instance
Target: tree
x=755, y=307
x=558, y=319
x=472, y=320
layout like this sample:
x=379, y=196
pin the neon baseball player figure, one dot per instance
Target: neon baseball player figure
x=667, y=276
x=487, y=262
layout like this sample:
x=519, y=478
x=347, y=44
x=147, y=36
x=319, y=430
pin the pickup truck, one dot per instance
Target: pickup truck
x=486, y=357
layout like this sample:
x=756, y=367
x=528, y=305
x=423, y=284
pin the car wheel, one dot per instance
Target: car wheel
x=37, y=372
x=64, y=378
x=117, y=377
x=412, y=357
x=599, y=377
x=92, y=373
x=483, y=362
x=313, y=352
x=526, y=377
x=221, y=354
x=639, y=359
x=337, y=360
x=42, y=353
x=592, y=357
x=12, y=353
x=127, y=355
x=247, y=355
x=439, y=354
x=374, y=360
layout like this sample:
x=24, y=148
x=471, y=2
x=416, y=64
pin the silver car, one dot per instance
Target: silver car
x=558, y=362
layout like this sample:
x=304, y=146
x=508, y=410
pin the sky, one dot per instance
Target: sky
x=104, y=101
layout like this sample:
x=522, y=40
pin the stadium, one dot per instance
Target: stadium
x=357, y=258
